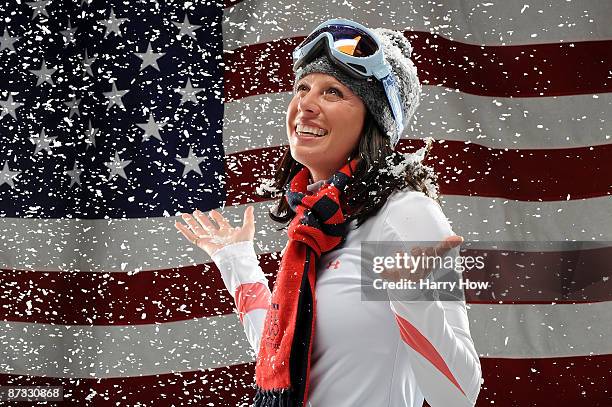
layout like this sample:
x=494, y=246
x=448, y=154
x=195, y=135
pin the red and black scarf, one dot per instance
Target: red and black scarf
x=319, y=226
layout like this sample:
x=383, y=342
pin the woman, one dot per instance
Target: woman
x=341, y=183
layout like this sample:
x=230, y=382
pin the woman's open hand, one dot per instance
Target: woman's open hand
x=422, y=271
x=209, y=236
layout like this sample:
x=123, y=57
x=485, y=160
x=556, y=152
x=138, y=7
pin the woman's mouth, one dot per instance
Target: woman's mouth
x=309, y=131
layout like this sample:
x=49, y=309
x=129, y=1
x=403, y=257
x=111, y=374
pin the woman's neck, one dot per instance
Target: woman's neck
x=316, y=176
x=324, y=174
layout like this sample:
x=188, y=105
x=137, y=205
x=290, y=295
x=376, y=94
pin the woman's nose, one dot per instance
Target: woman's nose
x=308, y=103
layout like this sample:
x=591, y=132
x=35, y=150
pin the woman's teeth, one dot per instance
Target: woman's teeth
x=307, y=130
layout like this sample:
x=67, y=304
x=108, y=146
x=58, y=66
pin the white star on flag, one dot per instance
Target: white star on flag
x=112, y=24
x=114, y=97
x=7, y=176
x=6, y=41
x=9, y=107
x=149, y=58
x=191, y=162
x=74, y=107
x=68, y=33
x=151, y=128
x=42, y=142
x=44, y=73
x=188, y=93
x=186, y=28
x=91, y=136
x=39, y=7
x=117, y=167
x=75, y=175
x=86, y=62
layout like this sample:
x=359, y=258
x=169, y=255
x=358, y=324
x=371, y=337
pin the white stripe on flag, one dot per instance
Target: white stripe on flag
x=491, y=23
x=541, y=330
x=516, y=123
x=502, y=331
x=153, y=243
x=122, y=350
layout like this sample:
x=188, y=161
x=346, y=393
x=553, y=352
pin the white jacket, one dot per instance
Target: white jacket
x=371, y=353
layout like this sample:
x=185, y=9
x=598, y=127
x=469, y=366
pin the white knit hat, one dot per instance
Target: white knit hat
x=396, y=51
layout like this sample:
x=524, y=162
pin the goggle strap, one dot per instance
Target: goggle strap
x=392, y=91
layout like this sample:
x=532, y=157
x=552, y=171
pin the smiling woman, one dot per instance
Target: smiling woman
x=342, y=183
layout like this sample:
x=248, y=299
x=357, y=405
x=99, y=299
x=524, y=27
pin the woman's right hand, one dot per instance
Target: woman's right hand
x=211, y=237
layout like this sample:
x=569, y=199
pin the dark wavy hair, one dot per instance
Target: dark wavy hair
x=381, y=171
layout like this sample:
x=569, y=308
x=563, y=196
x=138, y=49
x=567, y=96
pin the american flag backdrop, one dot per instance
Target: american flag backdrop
x=117, y=116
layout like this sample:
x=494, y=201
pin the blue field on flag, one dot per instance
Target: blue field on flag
x=110, y=109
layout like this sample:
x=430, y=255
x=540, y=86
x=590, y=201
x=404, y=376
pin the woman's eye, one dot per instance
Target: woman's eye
x=336, y=91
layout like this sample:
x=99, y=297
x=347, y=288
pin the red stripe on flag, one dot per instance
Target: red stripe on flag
x=466, y=169
x=146, y=297
x=223, y=386
x=532, y=70
x=574, y=381
x=515, y=277
x=231, y=3
x=196, y=292
x=570, y=381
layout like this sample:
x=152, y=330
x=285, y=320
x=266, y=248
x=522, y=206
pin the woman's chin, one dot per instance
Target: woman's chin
x=307, y=149
x=304, y=157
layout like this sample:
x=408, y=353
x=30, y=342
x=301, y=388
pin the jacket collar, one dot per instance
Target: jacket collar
x=315, y=186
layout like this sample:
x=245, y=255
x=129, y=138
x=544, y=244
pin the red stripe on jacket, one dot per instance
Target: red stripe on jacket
x=251, y=296
x=421, y=344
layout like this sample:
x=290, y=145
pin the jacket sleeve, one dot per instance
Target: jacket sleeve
x=247, y=284
x=436, y=333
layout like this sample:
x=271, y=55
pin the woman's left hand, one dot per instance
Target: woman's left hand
x=421, y=271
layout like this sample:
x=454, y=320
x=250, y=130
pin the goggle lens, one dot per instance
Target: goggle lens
x=348, y=40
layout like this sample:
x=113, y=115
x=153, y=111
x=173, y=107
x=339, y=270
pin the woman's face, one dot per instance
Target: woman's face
x=323, y=105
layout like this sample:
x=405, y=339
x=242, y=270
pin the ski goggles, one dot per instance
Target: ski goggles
x=357, y=51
